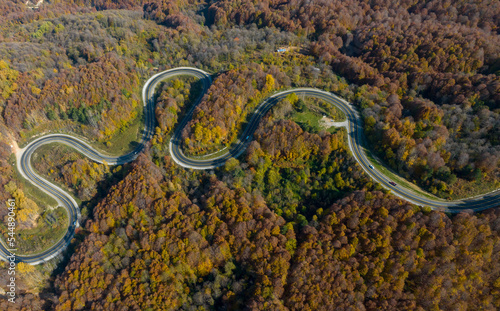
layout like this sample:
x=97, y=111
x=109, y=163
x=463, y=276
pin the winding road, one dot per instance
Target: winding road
x=355, y=141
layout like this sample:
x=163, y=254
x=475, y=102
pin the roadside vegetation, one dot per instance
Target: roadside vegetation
x=50, y=227
x=38, y=225
x=312, y=114
x=126, y=139
x=294, y=223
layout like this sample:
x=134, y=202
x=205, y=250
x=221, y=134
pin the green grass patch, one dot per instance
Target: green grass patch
x=308, y=120
x=51, y=227
x=310, y=110
x=324, y=108
x=126, y=139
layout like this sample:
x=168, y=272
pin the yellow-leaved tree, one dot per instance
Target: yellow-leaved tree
x=25, y=268
x=27, y=209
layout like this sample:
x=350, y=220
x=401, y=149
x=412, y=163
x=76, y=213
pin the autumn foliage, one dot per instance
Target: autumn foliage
x=294, y=223
x=231, y=99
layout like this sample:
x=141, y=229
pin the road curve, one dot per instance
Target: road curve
x=66, y=200
x=355, y=141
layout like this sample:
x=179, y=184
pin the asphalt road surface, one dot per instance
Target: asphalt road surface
x=355, y=141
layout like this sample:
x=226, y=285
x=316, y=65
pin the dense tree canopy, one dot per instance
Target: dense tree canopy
x=292, y=224
x=440, y=59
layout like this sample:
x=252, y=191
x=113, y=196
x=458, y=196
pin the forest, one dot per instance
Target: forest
x=434, y=68
x=231, y=239
x=292, y=224
x=217, y=121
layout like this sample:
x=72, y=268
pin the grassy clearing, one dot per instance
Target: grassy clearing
x=310, y=122
x=126, y=140
x=307, y=120
x=51, y=227
x=311, y=110
x=321, y=107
